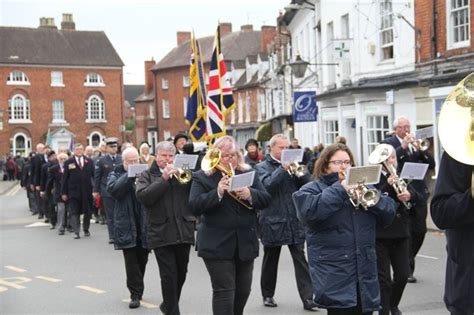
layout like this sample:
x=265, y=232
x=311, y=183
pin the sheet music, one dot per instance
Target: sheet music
x=424, y=133
x=185, y=161
x=368, y=175
x=241, y=180
x=291, y=155
x=414, y=171
x=136, y=169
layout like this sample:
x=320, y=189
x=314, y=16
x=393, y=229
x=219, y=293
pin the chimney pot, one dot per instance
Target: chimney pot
x=47, y=22
x=68, y=23
x=149, y=75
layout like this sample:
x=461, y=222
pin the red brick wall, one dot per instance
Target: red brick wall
x=424, y=22
x=142, y=120
x=74, y=94
x=242, y=94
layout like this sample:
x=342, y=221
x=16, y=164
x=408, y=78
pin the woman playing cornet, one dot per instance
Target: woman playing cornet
x=341, y=238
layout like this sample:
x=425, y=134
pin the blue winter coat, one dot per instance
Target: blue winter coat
x=278, y=222
x=129, y=214
x=341, y=243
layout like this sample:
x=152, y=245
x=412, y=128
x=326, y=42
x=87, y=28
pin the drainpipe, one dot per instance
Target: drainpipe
x=434, y=39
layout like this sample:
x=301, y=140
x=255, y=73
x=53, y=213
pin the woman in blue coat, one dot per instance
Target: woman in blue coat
x=341, y=238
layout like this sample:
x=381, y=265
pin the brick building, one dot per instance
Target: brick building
x=63, y=80
x=145, y=110
x=171, y=74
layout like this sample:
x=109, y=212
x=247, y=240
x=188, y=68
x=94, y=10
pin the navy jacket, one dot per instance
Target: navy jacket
x=278, y=222
x=103, y=167
x=341, y=243
x=227, y=229
x=130, y=228
x=452, y=209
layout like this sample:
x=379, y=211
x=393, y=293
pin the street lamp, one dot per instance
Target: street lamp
x=298, y=67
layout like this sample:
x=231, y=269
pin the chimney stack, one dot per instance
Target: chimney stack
x=226, y=28
x=149, y=75
x=267, y=35
x=246, y=28
x=182, y=37
x=47, y=22
x=68, y=23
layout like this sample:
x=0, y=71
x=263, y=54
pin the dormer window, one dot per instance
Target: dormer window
x=17, y=78
x=94, y=79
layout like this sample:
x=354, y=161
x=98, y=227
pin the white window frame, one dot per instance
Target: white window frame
x=91, y=136
x=164, y=84
x=186, y=80
x=166, y=135
x=330, y=131
x=165, y=103
x=58, y=112
x=57, y=79
x=151, y=111
x=94, y=79
x=386, y=29
x=17, y=77
x=451, y=15
x=376, y=130
x=24, y=116
x=91, y=117
x=185, y=105
x=27, y=148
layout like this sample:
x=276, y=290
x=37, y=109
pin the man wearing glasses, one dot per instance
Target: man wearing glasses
x=279, y=225
x=402, y=141
x=103, y=167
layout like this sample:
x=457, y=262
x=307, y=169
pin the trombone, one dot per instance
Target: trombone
x=212, y=160
x=380, y=155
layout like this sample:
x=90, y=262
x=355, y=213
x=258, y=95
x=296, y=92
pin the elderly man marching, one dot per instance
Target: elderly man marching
x=279, y=225
x=171, y=224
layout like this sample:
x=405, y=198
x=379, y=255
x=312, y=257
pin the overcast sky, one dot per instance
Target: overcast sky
x=141, y=29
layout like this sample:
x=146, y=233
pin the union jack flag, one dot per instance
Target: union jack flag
x=220, y=100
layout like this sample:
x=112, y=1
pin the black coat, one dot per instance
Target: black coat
x=227, y=228
x=26, y=175
x=170, y=220
x=415, y=157
x=36, y=165
x=278, y=222
x=77, y=185
x=452, y=209
x=130, y=228
x=53, y=186
x=103, y=167
x=399, y=228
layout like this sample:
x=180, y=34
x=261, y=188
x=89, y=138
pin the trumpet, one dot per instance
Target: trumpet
x=420, y=144
x=380, y=155
x=212, y=160
x=183, y=175
x=361, y=195
x=296, y=169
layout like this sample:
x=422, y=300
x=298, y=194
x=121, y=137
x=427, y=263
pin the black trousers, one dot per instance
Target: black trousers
x=135, y=265
x=76, y=222
x=268, y=278
x=417, y=232
x=39, y=202
x=392, y=252
x=173, y=264
x=109, y=204
x=231, y=281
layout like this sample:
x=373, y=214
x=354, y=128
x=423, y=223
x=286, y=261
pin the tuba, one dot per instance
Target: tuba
x=296, y=169
x=380, y=155
x=456, y=124
x=212, y=160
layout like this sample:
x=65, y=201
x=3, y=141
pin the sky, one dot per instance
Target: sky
x=142, y=29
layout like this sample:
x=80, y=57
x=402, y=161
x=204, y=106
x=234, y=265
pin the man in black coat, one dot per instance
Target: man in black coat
x=53, y=188
x=171, y=223
x=129, y=225
x=452, y=209
x=27, y=184
x=279, y=225
x=48, y=201
x=402, y=140
x=37, y=162
x=102, y=169
x=76, y=189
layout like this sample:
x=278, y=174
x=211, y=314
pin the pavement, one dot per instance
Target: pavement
x=5, y=186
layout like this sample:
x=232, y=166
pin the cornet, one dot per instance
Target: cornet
x=420, y=144
x=380, y=155
x=296, y=169
x=183, y=175
x=362, y=196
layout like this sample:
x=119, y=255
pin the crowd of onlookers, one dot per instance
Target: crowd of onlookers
x=11, y=167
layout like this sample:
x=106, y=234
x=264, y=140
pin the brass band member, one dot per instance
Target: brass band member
x=341, y=238
x=227, y=233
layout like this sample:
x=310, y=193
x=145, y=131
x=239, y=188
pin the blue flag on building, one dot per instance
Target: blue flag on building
x=305, y=108
x=196, y=107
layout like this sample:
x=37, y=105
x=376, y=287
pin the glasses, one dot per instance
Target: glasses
x=340, y=162
x=228, y=156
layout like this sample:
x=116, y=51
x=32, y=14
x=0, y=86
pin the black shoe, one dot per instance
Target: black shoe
x=134, y=303
x=34, y=213
x=111, y=241
x=411, y=279
x=269, y=301
x=61, y=233
x=76, y=237
x=395, y=311
x=162, y=308
x=46, y=220
x=40, y=216
x=309, y=305
x=87, y=234
x=70, y=229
